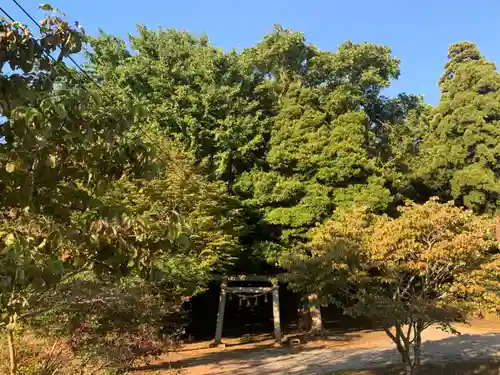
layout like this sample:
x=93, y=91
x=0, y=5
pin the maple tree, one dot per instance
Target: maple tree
x=434, y=264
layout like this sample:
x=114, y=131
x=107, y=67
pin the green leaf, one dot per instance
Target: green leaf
x=46, y=7
x=11, y=167
x=61, y=111
x=10, y=239
x=183, y=240
x=42, y=244
x=206, y=252
x=60, y=12
x=51, y=161
x=58, y=265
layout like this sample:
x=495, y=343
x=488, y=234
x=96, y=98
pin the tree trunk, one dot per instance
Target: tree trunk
x=408, y=368
x=315, y=312
x=417, y=350
x=304, y=319
x=12, y=352
x=403, y=345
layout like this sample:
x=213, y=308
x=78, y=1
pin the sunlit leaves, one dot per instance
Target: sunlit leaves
x=10, y=167
x=290, y=127
x=432, y=264
x=65, y=152
x=460, y=153
x=46, y=7
x=319, y=153
x=431, y=259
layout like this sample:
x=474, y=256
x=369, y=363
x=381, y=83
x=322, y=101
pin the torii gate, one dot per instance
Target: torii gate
x=225, y=288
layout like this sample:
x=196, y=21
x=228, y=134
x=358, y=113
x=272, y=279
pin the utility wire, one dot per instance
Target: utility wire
x=82, y=70
x=6, y=14
x=92, y=80
x=36, y=42
x=69, y=57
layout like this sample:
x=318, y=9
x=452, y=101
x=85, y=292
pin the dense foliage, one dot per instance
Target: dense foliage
x=299, y=133
x=433, y=264
x=295, y=131
x=80, y=191
x=460, y=151
x=170, y=159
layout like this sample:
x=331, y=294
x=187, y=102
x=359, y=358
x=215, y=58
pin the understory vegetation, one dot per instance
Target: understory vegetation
x=124, y=187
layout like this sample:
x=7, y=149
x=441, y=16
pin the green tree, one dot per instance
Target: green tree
x=433, y=265
x=323, y=149
x=156, y=241
x=31, y=163
x=400, y=149
x=294, y=130
x=207, y=100
x=81, y=190
x=460, y=152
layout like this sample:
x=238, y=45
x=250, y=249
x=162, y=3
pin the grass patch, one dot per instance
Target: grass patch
x=462, y=368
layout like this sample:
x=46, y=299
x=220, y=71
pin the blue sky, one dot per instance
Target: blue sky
x=419, y=32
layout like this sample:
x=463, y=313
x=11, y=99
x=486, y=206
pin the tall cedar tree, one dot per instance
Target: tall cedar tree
x=461, y=151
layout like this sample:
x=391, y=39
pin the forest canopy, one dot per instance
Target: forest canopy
x=167, y=159
x=296, y=132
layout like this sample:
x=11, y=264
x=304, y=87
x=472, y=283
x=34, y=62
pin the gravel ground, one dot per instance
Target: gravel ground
x=354, y=351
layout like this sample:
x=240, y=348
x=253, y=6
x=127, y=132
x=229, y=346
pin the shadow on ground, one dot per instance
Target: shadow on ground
x=268, y=360
x=473, y=367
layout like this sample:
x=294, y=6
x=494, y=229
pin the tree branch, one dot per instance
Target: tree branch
x=408, y=331
x=407, y=288
x=389, y=333
x=64, y=278
x=401, y=335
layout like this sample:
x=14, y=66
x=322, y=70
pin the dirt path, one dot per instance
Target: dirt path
x=352, y=351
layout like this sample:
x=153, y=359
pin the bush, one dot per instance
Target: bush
x=40, y=356
x=117, y=323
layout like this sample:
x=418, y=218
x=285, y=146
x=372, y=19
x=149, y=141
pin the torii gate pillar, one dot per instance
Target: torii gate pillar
x=276, y=313
x=220, y=315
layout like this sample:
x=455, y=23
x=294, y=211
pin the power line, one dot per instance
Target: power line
x=7, y=14
x=94, y=82
x=35, y=41
x=87, y=75
x=69, y=57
